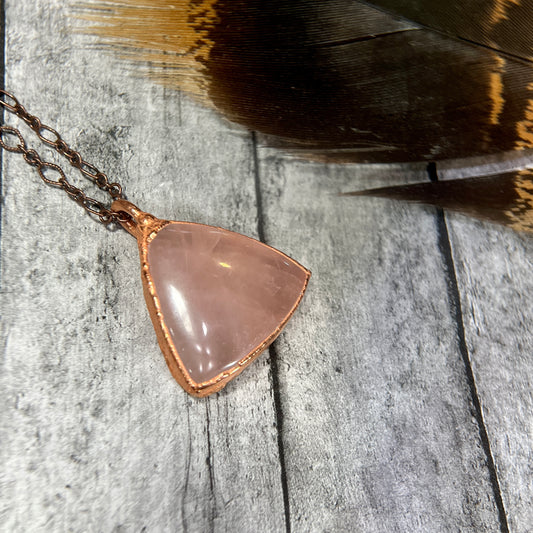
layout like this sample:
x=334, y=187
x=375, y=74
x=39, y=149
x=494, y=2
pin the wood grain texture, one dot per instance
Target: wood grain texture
x=379, y=420
x=398, y=399
x=494, y=270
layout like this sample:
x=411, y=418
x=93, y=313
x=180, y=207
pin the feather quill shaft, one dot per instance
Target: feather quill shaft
x=503, y=198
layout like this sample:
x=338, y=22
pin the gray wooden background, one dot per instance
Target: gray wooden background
x=399, y=398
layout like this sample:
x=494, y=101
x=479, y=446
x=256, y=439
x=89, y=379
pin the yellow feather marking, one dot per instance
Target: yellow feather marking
x=172, y=36
x=500, y=10
x=521, y=214
x=496, y=90
x=525, y=127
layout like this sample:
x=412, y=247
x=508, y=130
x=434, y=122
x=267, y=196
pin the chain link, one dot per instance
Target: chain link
x=51, y=137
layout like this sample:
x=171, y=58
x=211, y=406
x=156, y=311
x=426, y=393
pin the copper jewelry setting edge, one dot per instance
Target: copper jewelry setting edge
x=144, y=229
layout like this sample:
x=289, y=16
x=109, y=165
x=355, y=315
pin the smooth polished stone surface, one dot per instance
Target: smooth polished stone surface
x=221, y=294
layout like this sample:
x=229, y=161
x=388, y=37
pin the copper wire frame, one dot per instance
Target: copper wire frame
x=144, y=227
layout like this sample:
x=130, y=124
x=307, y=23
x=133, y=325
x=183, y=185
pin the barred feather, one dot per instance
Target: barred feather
x=345, y=80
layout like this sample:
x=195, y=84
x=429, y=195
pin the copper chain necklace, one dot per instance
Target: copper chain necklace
x=216, y=298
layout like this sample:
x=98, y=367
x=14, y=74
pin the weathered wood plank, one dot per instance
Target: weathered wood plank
x=96, y=434
x=379, y=427
x=495, y=276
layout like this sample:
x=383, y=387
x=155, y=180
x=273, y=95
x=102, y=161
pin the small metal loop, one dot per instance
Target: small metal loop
x=5, y=104
x=117, y=217
x=88, y=170
x=9, y=130
x=44, y=165
x=70, y=189
x=76, y=194
x=101, y=180
x=115, y=190
x=67, y=186
x=138, y=220
x=61, y=146
x=121, y=216
x=34, y=123
x=68, y=152
x=94, y=206
x=21, y=112
x=80, y=198
x=106, y=218
x=46, y=140
x=32, y=158
x=75, y=158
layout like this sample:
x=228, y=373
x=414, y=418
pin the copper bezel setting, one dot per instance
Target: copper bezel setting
x=145, y=227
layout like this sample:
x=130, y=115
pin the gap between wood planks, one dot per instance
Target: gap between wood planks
x=2, y=86
x=455, y=302
x=456, y=308
x=274, y=368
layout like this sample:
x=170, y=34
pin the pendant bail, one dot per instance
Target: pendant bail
x=138, y=222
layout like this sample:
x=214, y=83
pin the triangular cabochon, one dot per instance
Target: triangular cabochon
x=221, y=295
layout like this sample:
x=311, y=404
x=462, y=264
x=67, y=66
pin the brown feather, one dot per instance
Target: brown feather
x=504, y=25
x=503, y=198
x=385, y=80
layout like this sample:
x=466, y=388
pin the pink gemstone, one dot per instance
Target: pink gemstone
x=222, y=295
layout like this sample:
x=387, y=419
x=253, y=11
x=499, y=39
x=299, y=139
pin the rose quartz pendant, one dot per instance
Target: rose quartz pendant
x=217, y=299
